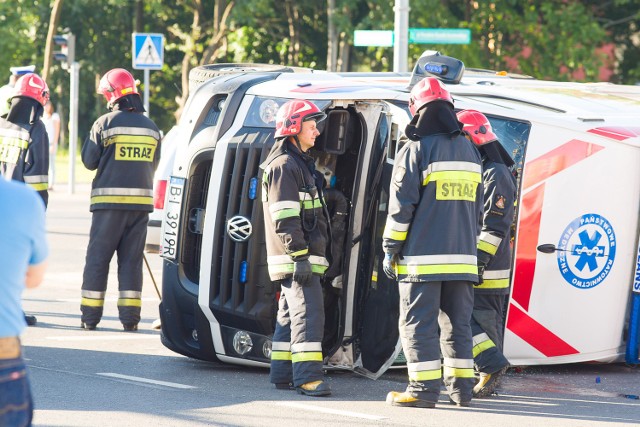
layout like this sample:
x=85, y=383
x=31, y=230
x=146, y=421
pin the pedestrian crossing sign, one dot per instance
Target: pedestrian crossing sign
x=147, y=51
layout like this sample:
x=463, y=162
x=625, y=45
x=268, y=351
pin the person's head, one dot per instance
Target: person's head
x=116, y=84
x=32, y=86
x=477, y=126
x=299, y=119
x=425, y=91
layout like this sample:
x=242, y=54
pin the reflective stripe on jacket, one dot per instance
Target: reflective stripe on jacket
x=294, y=213
x=494, y=248
x=435, y=206
x=124, y=148
x=24, y=155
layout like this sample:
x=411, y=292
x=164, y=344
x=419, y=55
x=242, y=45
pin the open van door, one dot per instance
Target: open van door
x=376, y=299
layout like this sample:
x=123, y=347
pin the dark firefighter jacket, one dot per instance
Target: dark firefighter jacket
x=435, y=206
x=124, y=148
x=294, y=212
x=24, y=154
x=494, y=249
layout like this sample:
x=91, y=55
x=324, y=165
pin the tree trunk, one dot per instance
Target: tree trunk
x=213, y=47
x=332, y=37
x=138, y=16
x=343, y=60
x=294, y=47
x=48, y=50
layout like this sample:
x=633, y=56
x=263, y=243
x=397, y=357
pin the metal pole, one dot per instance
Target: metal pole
x=146, y=91
x=401, y=36
x=73, y=123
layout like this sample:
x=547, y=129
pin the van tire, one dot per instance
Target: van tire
x=199, y=75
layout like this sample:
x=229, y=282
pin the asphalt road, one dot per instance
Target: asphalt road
x=109, y=377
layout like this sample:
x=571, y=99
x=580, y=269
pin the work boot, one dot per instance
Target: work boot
x=130, y=327
x=408, y=399
x=488, y=383
x=87, y=326
x=314, y=388
x=30, y=319
x=284, y=386
x=464, y=404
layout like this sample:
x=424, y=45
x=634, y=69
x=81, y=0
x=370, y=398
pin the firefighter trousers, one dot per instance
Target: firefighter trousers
x=114, y=231
x=487, y=326
x=425, y=306
x=296, y=355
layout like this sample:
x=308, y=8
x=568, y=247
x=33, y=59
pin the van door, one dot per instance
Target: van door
x=580, y=197
x=376, y=306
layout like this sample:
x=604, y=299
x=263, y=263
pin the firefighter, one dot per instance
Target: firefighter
x=123, y=145
x=24, y=144
x=296, y=228
x=494, y=252
x=435, y=206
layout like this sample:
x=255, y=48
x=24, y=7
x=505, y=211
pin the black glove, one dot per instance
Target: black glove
x=481, y=268
x=302, y=272
x=389, y=265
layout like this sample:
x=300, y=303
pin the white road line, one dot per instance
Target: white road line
x=144, y=380
x=100, y=337
x=330, y=411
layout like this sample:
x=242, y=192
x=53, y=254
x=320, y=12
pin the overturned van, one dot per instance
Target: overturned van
x=576, y=148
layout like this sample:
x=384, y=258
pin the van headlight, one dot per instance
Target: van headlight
x=242, y=342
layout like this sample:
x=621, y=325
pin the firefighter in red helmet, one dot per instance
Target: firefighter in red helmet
x=296, y=235
x=435, y=205
x=24, y=144
x=494, y=252
x=123, y=145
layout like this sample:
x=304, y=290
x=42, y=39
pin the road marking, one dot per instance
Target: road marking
x=100, y=337
x=144, y=380
x=110, y=299
x=330, y=411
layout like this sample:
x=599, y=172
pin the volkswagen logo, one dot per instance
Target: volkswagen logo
x=239, y=228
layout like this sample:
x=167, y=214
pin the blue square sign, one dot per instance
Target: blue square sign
x=147, y=51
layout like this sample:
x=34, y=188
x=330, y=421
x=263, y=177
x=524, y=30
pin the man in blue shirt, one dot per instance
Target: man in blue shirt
x=23, y=253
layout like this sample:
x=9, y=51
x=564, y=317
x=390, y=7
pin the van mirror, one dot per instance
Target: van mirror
x=432, y=64
x=333, y=139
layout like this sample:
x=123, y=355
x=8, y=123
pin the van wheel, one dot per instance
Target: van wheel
x=201, y=74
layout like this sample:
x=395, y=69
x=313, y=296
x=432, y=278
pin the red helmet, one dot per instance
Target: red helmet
x=425, y=91
x=117, y=83
x=477, y=126
x=32, y=86
x=291, y=115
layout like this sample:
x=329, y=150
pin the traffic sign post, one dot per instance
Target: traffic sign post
x=147, y=53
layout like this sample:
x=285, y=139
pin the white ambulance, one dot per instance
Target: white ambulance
x=577, y=151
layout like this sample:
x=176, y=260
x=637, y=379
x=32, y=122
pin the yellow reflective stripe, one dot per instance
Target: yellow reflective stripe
x=307, y=356
x=318, y=268
x=311, y=204
x=89, y=302
x=136, y=200
x=453, y=175
x=14, y=142
x=484, y=345
x=286, y=213
x=458, y=372
x=132, y=139
x=280, y=355
x=493, y=284
x=438, y=269
x=129, y=302
x=487, y=247
x=298, y=253
x=393, y=234
x=435, y=374
x=40, y=187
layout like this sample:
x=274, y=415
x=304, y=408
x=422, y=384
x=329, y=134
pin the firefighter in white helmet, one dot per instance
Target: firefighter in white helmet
x=430, y=237
x=124, y=147
x=296, y=229
x=494, y=252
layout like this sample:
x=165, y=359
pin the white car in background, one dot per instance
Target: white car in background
x=160, y=178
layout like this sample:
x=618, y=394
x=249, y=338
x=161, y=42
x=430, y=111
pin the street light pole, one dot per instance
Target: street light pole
x=401, y=36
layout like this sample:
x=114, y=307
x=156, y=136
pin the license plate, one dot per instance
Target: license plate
x=171, y=218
